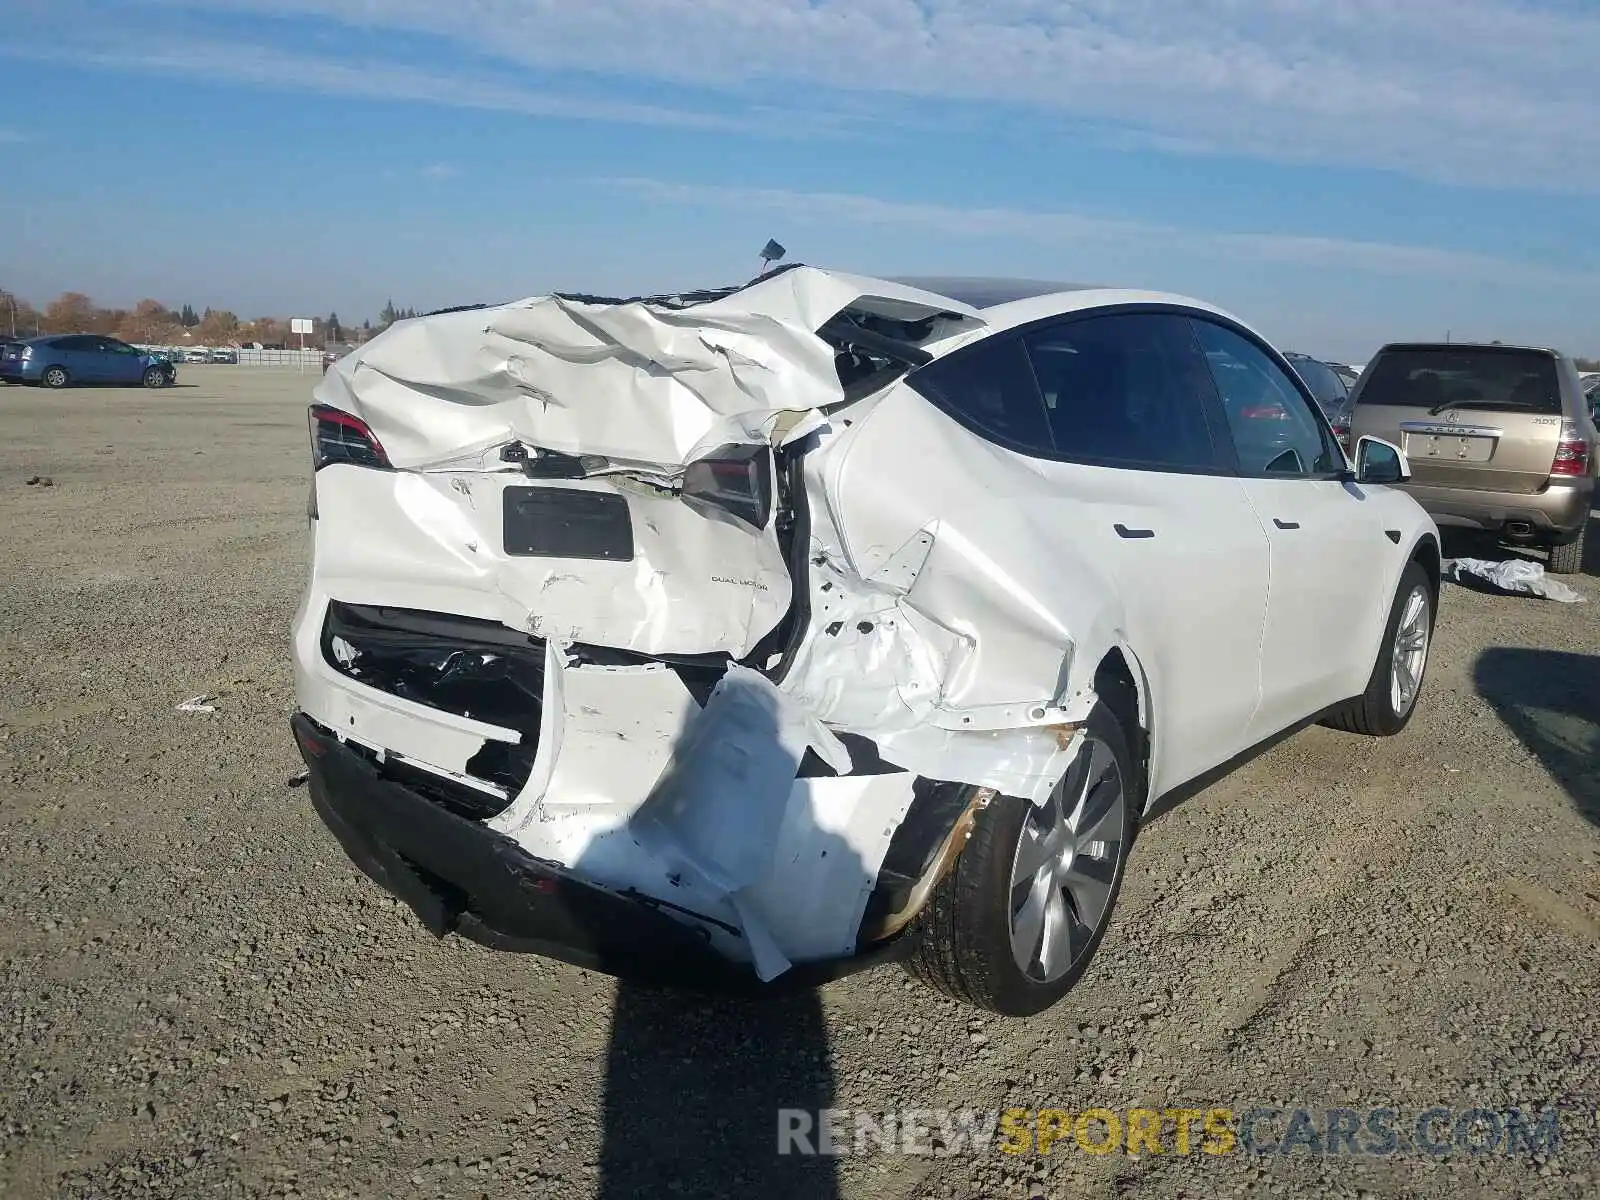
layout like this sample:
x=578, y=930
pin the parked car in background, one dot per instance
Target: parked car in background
x=1346, y=373
x=1500, y=438
x=866, y=625
x=58, y=360
x=224, y=356
x=196, y=354
x=1329, y=391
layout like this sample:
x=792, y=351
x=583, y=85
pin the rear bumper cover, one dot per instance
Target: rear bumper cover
x=1560, y=512
x=459, y=876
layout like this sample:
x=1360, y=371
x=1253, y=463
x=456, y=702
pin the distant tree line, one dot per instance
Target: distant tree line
x=154, y=323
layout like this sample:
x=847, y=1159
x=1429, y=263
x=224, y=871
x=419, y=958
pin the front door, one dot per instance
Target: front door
x=1325, y=545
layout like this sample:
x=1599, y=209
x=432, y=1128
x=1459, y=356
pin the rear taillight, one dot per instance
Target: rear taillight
x=1572, y=452
x=1341, y=430
x=338, y=437
x=733, y=481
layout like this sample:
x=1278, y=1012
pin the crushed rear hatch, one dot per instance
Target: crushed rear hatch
x=555, y=545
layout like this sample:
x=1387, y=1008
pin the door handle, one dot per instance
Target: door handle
x=1124, y=531
x=1286, y=524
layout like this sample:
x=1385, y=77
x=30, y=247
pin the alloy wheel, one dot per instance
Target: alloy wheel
x=1410, y=657
x=1066, y=863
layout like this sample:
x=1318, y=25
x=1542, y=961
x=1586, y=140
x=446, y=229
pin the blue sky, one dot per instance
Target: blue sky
x=1338, y=173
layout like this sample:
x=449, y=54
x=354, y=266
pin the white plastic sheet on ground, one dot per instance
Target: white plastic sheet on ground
x=1516, y=575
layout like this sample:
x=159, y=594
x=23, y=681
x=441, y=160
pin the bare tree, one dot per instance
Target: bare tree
x=71, y=312
x=217, y=327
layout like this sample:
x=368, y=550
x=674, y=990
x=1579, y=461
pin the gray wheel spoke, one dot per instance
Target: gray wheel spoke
x=1055, y=939
x=1102, y=816
x=1033, y=852
x=1027, y=926
x=1089, y=881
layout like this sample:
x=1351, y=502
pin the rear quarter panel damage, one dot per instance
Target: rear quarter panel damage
x=938, y=630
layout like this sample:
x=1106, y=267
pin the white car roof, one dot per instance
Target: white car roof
x=1035, y=308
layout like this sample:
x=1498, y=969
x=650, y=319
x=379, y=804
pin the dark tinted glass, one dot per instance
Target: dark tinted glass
x=1125, y=390
x=1275, y=432
x=990, y=389
x=1326, y=387
x=1436, y=378
x=76, y=342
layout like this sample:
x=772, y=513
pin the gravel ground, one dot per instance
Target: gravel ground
x=203, y=997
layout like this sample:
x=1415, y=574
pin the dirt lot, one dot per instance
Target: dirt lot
x=202, y=997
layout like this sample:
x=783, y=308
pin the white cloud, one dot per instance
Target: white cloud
x=1497, y=92
x=440, y=171
x=1067, y=228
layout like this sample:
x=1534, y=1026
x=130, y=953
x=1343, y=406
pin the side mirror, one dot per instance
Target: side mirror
x=1378, y=461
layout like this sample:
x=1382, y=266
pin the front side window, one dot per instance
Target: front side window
x=1274, y=431
x=1126, y=390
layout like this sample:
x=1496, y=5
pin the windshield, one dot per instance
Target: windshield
x=1436, y=378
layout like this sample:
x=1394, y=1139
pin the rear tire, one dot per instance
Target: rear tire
x=55, y=377
x=1380, y=711
x=1567, y=559
x=978, y=925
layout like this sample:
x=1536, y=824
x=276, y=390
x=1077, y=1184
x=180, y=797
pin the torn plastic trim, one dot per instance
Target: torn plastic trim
x=922, y=852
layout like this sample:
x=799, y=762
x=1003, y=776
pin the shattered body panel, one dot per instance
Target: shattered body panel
x=694, y=602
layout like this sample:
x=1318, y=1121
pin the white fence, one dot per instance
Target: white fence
x=307, y=358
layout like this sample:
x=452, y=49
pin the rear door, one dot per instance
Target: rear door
x=1072, y=471
x=74, y=354
x=1326, y=546
x=1478, y=417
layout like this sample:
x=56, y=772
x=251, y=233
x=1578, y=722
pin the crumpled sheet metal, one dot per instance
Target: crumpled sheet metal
x=676, y=383
x=958, y=666
x=638, y=788
x=1515, y=575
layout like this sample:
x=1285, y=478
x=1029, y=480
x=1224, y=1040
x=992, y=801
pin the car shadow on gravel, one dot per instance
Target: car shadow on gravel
x=693, y=1090
x=1551, y=700
x=696, y=1084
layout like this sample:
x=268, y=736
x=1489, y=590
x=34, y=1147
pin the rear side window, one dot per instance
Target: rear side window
x=1127, y=390
x=1438, y=378
x=989, y=388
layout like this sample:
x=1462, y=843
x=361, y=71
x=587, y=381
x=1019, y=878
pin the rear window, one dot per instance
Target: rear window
x=1443, y=377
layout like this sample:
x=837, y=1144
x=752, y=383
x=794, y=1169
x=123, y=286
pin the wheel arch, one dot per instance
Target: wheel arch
x=1426, y=555
x=1120, y=681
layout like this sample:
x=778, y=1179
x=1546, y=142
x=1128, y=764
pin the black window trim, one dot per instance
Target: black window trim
x=1225, y=453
